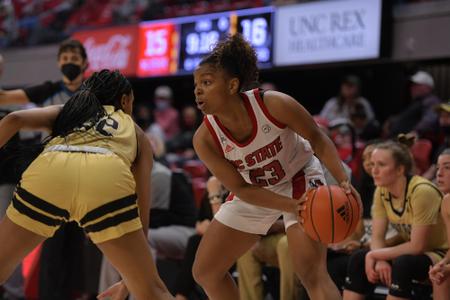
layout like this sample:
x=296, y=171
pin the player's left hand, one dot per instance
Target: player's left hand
x=372, y=275
x=350, y=189
x=117, y=291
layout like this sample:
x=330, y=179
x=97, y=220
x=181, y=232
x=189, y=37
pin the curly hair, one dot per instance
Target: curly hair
x=237, y=57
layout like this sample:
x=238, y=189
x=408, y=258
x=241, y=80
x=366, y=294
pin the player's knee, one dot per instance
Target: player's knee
x=403, y=263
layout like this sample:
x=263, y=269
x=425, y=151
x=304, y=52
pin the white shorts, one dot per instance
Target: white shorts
x=250, y=218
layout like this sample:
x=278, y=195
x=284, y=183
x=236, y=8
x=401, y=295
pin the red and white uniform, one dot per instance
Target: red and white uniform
x=274, y=157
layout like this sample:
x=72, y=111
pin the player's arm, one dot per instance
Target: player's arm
x=13, y=97
x=36, y=118
x=379, y=228
x=212, y=157
x=445, y=212
x=142, y=169
x=288, y=111
x=416, y=246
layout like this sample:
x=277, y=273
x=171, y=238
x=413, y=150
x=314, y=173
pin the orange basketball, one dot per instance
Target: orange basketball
x=331, y=215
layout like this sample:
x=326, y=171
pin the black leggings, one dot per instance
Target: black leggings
x=405, y=268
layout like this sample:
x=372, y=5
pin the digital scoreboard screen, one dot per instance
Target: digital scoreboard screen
x=199, y=34
x=257, y=29
x=198, y=37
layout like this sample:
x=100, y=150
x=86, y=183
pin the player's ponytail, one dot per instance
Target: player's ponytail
x=237, y=57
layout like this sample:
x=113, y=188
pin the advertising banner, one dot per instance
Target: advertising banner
x=112, y=48
x=327, y=31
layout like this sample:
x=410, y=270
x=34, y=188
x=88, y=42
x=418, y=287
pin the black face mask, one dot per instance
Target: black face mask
x=446, y=130
x=71, y=71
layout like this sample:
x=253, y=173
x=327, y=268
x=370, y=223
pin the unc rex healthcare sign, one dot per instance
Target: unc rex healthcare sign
x=327, y=31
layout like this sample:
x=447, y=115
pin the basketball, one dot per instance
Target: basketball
x=331, y=215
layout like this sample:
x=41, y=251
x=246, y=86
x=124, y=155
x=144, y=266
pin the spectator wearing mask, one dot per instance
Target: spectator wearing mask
x=72, y=61
x=165, y=114
x=419, y=117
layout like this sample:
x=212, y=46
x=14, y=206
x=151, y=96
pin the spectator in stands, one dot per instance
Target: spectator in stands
x=366, y=129
x=443, y=143
x=143, y=116
x=443, y=110
x=72, y=61
x=440, y=273
x=342, y=133
x=344, y=105
x=9, y=30
x=172, y=219
x=51, y=22
x=418, y=117
x=145, y=119
x=181, y=144
x=165, y=114
x=214, y=197
x=411, y=204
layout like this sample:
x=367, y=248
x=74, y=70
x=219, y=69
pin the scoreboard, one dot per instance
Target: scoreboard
x=176, y=46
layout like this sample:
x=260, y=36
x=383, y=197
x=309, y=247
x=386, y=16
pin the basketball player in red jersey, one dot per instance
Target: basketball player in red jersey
x=261, y=147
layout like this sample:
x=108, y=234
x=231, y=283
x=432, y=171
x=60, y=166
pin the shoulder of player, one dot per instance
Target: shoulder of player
x=201, y=135
x=278, y=101
x=422, y=185
x=203, y=139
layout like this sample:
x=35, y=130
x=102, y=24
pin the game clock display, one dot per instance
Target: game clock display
x=200, y=33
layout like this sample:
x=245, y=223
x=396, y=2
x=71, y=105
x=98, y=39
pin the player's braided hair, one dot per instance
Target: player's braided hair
x=237, y=57
x=86, y=105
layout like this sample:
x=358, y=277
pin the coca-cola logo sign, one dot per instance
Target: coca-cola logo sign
x=114, y=54
x=111, y=48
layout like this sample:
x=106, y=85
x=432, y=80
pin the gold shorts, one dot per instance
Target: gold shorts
x=95, y=190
